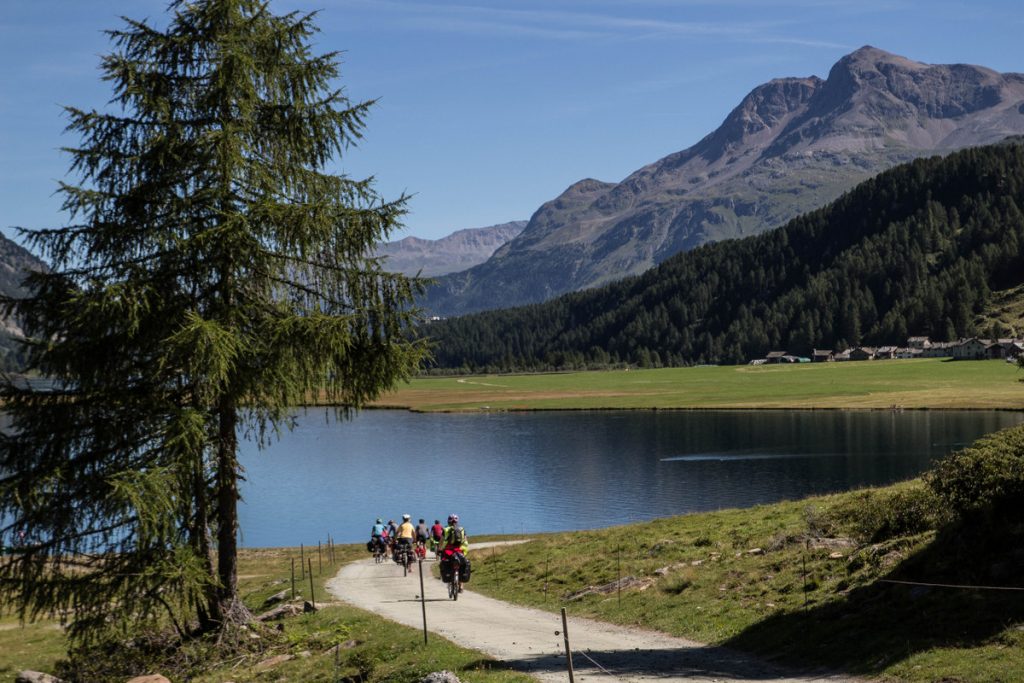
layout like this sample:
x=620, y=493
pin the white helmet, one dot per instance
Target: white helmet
x=405, y=518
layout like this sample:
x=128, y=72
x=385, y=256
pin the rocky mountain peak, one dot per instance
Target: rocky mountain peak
x=791, y=145
x=761, y=113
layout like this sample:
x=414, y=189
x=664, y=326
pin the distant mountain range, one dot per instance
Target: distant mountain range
x=791, y=145
x=928, y=248
x=15, y=263
x=459, y=251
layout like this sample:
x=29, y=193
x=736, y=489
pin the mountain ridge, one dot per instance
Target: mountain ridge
x=460, y=250
x=791, y=145
x=932, y=247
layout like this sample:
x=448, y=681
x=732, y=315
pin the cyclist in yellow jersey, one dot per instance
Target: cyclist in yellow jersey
x=405, y=535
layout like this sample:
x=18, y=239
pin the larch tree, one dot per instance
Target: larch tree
x=214, y=274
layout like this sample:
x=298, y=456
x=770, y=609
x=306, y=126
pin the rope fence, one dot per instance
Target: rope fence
x=952, y=585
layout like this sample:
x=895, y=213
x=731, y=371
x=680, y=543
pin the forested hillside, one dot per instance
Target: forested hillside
x=916, y=250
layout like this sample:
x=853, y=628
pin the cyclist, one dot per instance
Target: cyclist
x=436, y=534
x=405, y=535
x=377, y=535
x=453, y=548
x=422, y=534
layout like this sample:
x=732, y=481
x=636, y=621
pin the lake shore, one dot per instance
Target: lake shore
x=922, y=384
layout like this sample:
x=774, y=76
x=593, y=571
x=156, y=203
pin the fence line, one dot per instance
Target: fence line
x=595, y=663
x=952, y=585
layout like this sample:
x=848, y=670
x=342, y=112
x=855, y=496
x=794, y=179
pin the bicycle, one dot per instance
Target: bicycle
x=453, y=585
x=403, y=556
x=379, y=552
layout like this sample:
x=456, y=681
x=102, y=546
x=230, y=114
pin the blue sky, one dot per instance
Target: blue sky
x=489, y=108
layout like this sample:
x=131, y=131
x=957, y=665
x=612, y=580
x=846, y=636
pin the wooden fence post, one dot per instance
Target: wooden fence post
x=423, y=603
x=568, y=652
x=312, y=595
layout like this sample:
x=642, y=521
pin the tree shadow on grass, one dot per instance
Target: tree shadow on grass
x=703, y=662
x=877, y=625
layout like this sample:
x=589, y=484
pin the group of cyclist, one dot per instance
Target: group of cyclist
x=449, y=543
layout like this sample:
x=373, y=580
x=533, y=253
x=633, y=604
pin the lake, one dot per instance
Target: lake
x=547, y=471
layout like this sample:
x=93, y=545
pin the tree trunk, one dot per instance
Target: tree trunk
x=229, y=609
x=200, y=540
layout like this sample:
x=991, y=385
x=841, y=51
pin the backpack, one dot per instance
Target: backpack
x=456, y=535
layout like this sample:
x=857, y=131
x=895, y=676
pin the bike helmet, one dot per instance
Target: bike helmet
x=379, y=521
x=405, y=518
x=455, y=519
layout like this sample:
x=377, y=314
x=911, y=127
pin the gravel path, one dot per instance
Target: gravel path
x=531, y=639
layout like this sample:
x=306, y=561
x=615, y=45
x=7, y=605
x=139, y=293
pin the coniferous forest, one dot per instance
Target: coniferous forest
x=917, y=250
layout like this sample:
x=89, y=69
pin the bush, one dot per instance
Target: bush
x=879, y=515
x=984, y=482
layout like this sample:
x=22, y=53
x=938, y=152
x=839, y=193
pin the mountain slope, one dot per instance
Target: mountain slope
x=792, y=145
x=15, y=264
x=916, y=250
x=461, y=250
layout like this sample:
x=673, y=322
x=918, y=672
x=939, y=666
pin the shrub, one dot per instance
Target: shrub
x=879, y=515
x=985, y=481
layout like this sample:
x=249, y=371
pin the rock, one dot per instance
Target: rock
x=280, y=612
x=276, y=598
x=150, y=678
x=29, y=676
x=273, y=661
x=347, y=645
x=696, y=563
x=305, y=654
x=755, y=551
x=831, y=543
x=624, y=583
x=440, y=677
x=836, y=556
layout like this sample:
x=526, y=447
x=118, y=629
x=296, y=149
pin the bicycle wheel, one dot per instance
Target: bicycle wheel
x=405, y=564
x=453, y=587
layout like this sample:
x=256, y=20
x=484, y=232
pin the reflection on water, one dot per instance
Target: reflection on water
x=515, y=472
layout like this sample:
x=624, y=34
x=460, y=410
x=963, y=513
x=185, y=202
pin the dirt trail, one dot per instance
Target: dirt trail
x=531, y=640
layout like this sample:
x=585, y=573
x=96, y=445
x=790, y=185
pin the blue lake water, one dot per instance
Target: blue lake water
x=545, y=471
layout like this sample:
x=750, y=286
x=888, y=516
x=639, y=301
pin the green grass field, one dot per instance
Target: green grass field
x=372, y=648
x=792, y=582
x=925, y=383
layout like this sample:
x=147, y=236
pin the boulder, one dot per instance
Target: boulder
x=440, y=677
x=347, y=645
x=29, y=676
x=150, y=678
x=280, y=612
x=276, y=598
x=273, y=661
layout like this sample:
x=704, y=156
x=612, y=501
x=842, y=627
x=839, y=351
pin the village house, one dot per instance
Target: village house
x=862, y=353
x=906, y=353
x=1005, y=348
x=776, y=356
x=972, y=349
x=822, y=356
x=883, y=352
x=938, y=350
x=841, y=356
x=919, y=342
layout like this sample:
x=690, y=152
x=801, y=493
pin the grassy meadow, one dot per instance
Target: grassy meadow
x=371, y=648
x=797, y=583
x=920, y=383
